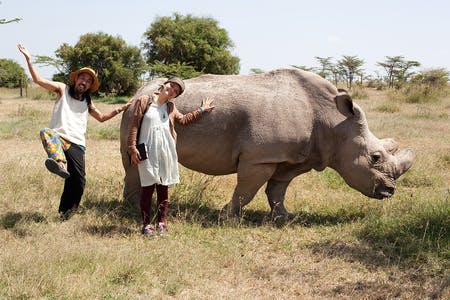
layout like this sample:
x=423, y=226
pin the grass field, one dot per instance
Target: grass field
x=340, y=245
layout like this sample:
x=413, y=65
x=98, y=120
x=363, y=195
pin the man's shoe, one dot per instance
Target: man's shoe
x=57, y=168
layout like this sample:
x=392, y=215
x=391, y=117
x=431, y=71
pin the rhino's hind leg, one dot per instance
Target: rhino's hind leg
x=250, y=178
x=276, y=191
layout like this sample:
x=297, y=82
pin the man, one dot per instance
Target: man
x=64, y=140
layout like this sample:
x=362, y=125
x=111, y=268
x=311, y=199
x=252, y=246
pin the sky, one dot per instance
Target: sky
x=266, y=34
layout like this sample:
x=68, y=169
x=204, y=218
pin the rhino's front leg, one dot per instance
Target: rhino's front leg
x=276, y=191
x=250, y=178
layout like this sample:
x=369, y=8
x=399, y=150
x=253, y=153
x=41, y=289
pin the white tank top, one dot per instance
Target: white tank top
x=69, y=118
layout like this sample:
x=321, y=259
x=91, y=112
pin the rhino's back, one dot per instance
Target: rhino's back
x=263, y=118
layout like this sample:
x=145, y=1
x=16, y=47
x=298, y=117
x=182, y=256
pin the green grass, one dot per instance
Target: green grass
x=112, y=99
x=412, y=228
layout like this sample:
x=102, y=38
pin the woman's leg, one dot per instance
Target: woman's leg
x=146, y=203
x=163, y=202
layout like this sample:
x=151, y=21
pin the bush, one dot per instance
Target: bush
x=12, y=75
x=426, y=87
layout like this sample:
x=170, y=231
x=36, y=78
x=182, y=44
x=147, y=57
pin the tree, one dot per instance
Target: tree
x=326, y=64
x=182, y=70
x=5, y=21
x=350, y=66
x=256, y=71
x=390, y=65
x=397, y=69
x=119, y=66
x=304, y=68
x=432, y=78
x=189, y=41
x=336, y=72
x=402, y=73
x=12, y=75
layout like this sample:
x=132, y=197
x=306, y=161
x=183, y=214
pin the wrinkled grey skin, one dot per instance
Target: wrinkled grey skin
x=272, y=127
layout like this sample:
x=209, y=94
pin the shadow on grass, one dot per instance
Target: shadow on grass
x=207, y=216
x=200, y=212
x=13, y=220
x=373, y=258
x=116, y=217
x=411, y=279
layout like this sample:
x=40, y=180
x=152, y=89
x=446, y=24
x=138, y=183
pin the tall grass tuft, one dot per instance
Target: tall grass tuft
x=189, y=199
x=358, y=92
x=388, y=107
x=419, y=94
x=412, y=227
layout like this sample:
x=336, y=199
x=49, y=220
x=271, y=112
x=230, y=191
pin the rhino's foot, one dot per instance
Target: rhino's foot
x=229, y=214
x=280, y=215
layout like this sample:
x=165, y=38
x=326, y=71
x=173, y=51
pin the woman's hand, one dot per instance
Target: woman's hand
x=135, y=157
x=206, y=104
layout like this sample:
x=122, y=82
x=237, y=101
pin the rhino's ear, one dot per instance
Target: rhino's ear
x=344, y=104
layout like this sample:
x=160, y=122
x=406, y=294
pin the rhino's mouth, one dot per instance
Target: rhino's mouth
x=382, y=192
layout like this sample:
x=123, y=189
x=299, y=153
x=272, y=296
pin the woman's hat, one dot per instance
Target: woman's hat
x=178, y=81
x=95, y=84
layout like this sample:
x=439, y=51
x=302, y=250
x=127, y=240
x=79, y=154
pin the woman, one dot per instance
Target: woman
x=152, y=127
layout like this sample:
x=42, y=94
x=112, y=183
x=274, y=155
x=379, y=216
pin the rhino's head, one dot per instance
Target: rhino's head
x=366, y=163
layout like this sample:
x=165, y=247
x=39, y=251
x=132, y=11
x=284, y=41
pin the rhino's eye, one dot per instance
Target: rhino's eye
x=375, y=158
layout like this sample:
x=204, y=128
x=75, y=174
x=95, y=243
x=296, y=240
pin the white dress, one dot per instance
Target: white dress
x=161, y=167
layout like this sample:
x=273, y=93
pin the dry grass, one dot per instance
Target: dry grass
x=340, y=245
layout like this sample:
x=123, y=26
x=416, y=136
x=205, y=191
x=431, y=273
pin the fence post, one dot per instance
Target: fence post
x=20, y=84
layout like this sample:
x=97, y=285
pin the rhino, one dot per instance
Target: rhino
x=270, y=128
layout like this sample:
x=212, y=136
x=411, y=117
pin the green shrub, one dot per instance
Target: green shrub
x=426, y=87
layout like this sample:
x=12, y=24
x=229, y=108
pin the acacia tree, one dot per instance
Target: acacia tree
x=398, y=69
x=119, y=66
x=5, y=21
x=402, y=74
x=326, y=65
x=336, y=72
x=390, y=65
x=304, y=68
x=350, y=66
x=189, y=41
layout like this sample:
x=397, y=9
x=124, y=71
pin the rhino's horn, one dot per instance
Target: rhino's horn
x=390, y=145
x=404, y=160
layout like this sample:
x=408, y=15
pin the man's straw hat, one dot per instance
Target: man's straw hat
x=95, y=84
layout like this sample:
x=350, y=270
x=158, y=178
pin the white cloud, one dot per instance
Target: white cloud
x=333, y=39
